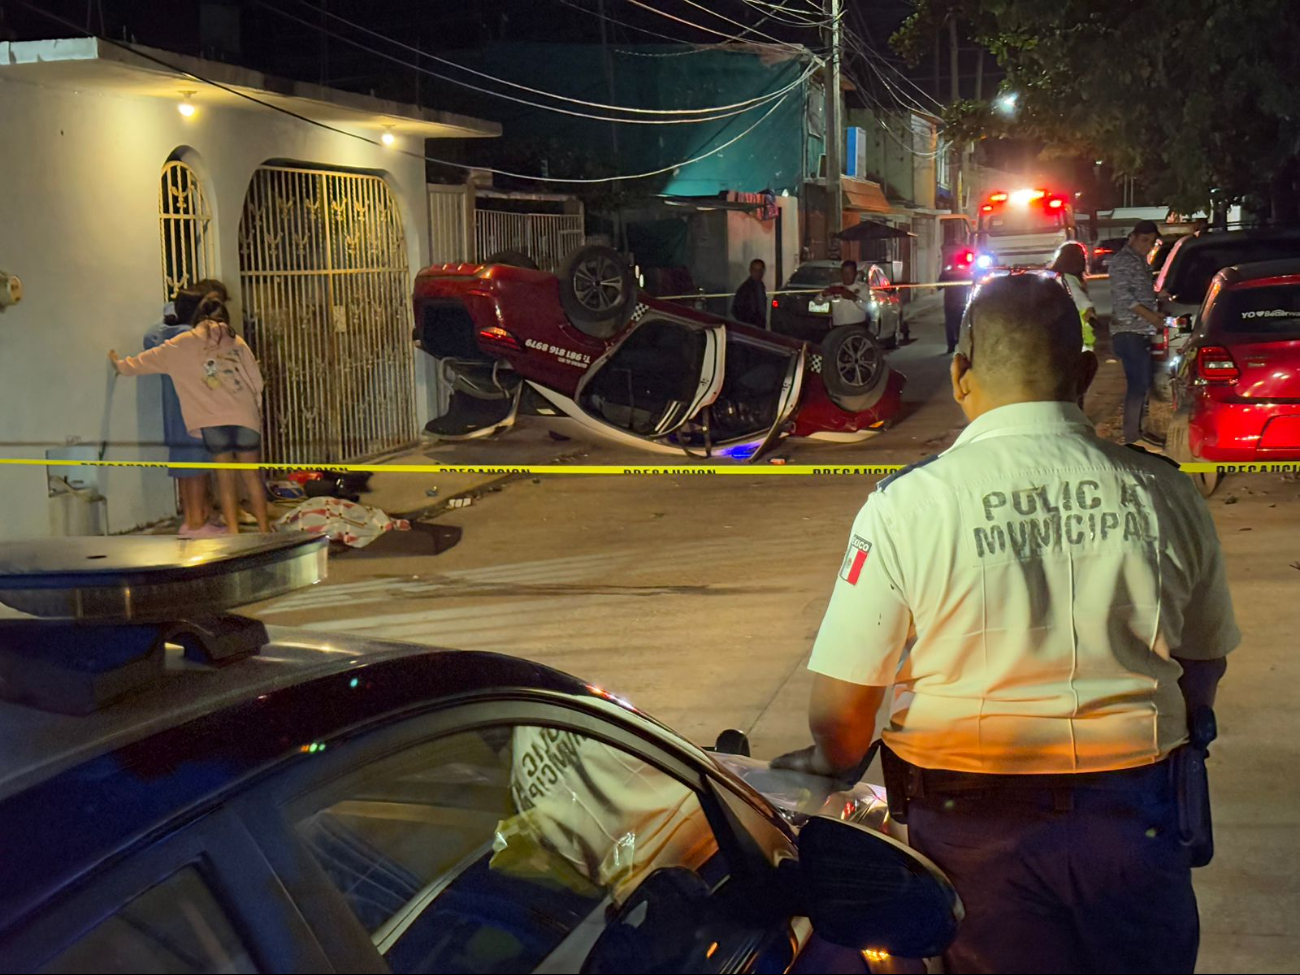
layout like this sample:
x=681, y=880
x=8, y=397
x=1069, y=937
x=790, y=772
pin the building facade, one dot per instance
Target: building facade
x=126, y=179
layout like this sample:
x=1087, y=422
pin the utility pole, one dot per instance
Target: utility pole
x=834, y=129
x=621, y=228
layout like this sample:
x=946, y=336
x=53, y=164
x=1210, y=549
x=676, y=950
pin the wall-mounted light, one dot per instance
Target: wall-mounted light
x=186, y=107
x=388, y=138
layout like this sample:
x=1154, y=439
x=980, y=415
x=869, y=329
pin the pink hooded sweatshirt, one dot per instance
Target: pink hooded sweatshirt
x=216, y=376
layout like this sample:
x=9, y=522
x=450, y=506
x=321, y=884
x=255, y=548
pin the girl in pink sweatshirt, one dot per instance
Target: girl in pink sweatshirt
x=219, y=387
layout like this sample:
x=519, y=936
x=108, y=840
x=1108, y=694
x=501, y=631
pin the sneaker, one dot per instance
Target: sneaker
x=204, y=531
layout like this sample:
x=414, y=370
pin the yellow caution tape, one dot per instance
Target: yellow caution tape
x=1267, y=467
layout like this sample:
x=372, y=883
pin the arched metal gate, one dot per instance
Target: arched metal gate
x=326, y=289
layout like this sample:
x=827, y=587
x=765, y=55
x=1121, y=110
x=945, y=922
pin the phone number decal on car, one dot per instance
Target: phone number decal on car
x=567, y=356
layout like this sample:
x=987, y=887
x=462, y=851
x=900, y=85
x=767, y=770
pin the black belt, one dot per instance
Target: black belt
x=905, y=782
x=942, y=781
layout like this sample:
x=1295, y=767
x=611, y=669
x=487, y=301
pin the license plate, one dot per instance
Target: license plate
x=816, y=306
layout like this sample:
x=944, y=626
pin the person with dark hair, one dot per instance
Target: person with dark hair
x=192, y=484
x=750, y=303
x=1071, y=263
x=1053, y=614
x=1135, y=321
x=849, y=298
x=219, y=386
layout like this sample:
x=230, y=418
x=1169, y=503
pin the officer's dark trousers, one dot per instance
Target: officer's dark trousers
x=1102, y=887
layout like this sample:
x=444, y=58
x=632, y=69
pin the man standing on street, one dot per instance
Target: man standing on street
x=1050, y=608
x=750, y=304
x=848, y=298
x=1135, y=321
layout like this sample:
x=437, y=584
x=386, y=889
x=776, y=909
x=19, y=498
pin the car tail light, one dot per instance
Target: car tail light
x=494, y=335
x=1214, y=364
x=776, y=302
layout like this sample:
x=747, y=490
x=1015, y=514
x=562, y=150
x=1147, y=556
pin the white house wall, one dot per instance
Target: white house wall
x=79, y=175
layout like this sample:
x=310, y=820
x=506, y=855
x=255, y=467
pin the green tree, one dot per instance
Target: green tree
x=1194, y=96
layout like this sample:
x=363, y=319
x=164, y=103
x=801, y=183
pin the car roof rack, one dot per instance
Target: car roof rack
x=101, y=611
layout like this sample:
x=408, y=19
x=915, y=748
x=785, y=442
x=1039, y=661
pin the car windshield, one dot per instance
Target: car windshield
x=1190, y=277
x=1271, y=310
x=814, y=275
x=1011, y=223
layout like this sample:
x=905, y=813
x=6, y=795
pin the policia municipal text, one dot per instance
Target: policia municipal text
x=1052, y=612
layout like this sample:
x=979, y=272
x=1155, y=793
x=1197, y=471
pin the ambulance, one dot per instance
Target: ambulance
x=1022, y=227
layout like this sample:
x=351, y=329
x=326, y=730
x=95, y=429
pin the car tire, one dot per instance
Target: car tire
x=597, y=291
x=853, y=367
x=512, y=259
x=1178, y=447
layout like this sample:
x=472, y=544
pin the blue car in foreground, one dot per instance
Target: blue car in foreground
x=183, y=791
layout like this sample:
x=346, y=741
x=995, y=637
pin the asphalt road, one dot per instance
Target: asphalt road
x=698, y=598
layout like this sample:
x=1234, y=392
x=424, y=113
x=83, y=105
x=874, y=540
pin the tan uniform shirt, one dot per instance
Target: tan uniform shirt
x=1051, y=577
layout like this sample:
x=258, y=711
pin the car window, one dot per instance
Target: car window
x=1029, y=220
x=1191, y=278
x=491, y=850
x=1268, y=310
x=811, y=276
x=177, y=925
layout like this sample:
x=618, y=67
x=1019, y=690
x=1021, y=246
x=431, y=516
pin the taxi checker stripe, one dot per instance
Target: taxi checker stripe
x=758, y=469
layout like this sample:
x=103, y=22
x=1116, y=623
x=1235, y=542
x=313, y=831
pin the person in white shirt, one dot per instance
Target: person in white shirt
x=850, y=298
x=1071, y=262
x=1050, y=609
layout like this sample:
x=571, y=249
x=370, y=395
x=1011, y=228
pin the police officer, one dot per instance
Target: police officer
x=1049, y=608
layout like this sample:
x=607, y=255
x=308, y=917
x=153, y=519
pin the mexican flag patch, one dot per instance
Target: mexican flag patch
x=855, y=559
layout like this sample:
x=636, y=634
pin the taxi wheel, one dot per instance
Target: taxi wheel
x=853, y=367
x=597, y=290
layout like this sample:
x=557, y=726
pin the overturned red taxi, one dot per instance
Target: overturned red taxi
x=591, y=355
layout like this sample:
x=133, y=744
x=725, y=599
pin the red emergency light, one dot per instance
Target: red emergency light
x=987, y=207
x=997, y=198
x=967, y=257
x=1055, y=203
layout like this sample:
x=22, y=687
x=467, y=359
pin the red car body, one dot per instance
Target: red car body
x=1238, y=381
x=514, y=316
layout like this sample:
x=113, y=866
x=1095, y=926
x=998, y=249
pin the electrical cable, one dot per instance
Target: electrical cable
x=707, y=30
x=711, y=113
x=745, y=28
x=229, y=89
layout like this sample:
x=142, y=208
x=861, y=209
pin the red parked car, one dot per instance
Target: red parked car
x=592, y=355
x=1237, y=379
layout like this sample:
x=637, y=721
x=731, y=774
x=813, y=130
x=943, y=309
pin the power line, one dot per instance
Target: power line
x=701, y=27
x=719, y=111
x=745, y=28
x=122, y=45
x=809, y=18
x=643, y=30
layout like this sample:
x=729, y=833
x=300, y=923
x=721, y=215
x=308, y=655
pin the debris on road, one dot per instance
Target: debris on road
x=460, y=502
x=353, y=524
x=431, y=492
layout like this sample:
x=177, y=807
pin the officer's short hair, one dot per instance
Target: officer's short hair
x=1022, y=332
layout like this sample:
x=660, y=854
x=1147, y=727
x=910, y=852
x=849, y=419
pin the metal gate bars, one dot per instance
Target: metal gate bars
x=326, y=298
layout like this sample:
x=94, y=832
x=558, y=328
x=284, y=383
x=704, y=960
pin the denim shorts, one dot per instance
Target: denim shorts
x=231, y=439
